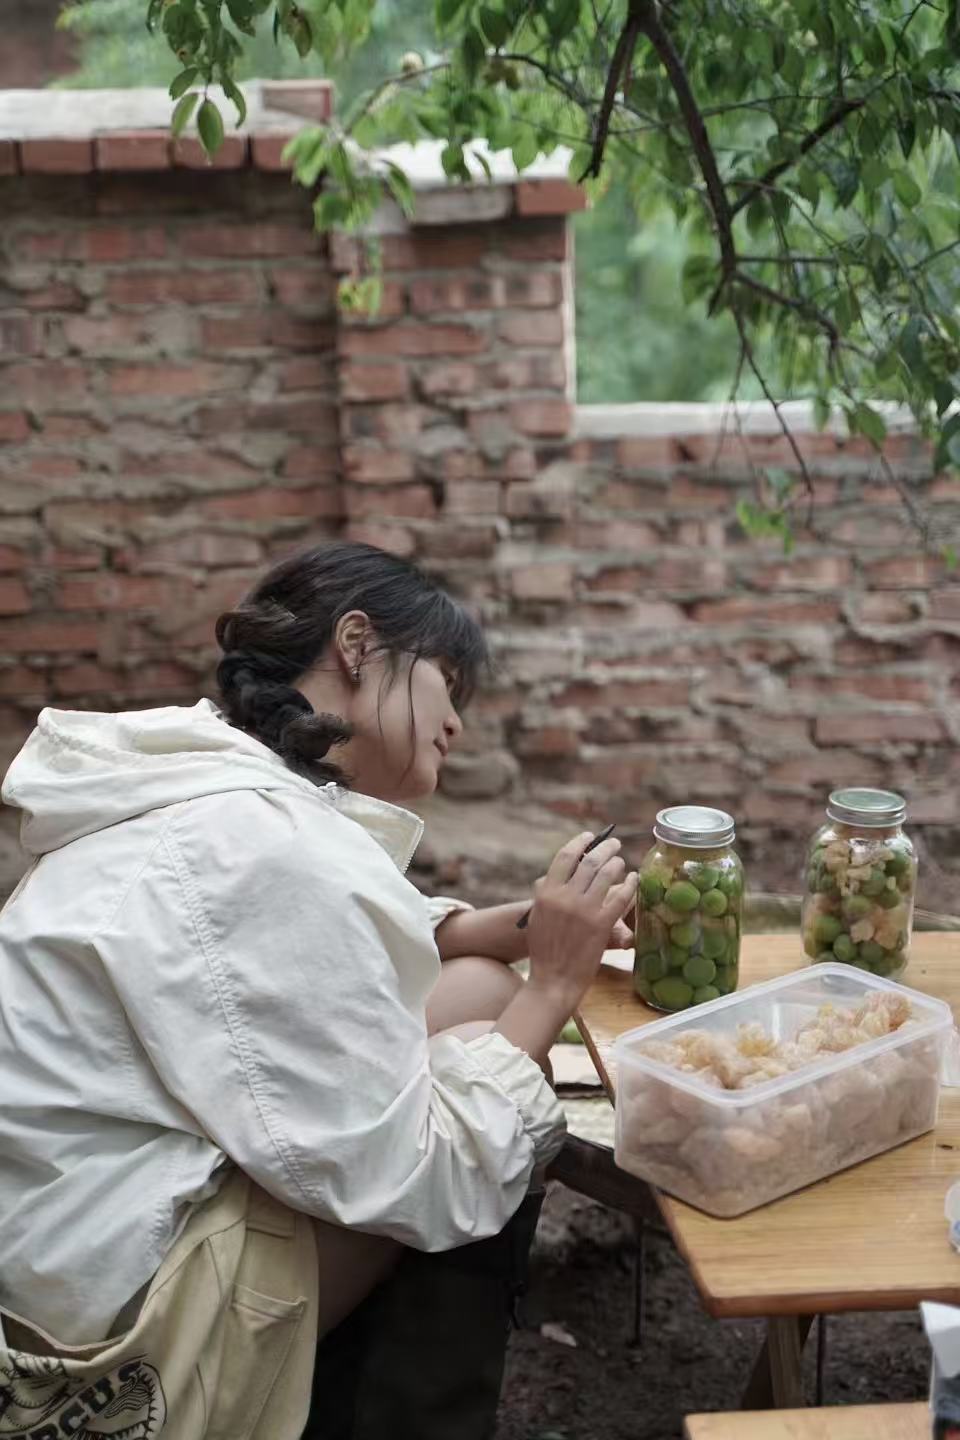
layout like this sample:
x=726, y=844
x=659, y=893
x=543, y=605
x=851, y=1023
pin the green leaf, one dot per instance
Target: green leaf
x=525, y=149
x=451, y=158
x=874, y=173
x=233, y=93
x=809, y=186
x=561, y=18
x=210, y=126
x=907, y=190
x=949, y=555
x=495, y=25
x=869, y=423
x=401, y=190
x=697, y=277
x=472, y=51
x=447, y=11
x=182, y=112
x=183, y=81
x=821, y=411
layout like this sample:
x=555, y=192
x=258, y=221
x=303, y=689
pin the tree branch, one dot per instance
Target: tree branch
x=830, y=122
x=759, y=376
x=622, y=56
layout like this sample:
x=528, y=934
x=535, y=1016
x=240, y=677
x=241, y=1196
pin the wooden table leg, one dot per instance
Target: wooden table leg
x=776, y=1381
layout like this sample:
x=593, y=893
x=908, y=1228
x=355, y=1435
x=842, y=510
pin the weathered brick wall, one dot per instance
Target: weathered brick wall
x=180, y=404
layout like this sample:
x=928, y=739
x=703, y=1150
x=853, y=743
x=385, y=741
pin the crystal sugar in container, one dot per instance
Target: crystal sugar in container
x=689, y=906
x=861, y=878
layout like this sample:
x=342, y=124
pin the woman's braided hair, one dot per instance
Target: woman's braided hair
x=280, y=630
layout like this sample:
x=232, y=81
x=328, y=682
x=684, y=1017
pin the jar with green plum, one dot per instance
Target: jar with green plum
x=860, y=884
x=689, y=905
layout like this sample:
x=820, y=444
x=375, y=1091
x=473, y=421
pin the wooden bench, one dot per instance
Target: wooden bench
x=849, y=1422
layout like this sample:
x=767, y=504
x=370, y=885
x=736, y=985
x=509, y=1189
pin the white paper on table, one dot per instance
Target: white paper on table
x=942, y=1324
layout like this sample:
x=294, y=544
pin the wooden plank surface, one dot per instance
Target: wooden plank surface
x=853, y=1422
x=870, y=1238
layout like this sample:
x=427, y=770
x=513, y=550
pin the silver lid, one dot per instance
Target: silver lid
x=695, y=825
x=872, y=808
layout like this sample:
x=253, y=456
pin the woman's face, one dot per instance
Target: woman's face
x=404, y=724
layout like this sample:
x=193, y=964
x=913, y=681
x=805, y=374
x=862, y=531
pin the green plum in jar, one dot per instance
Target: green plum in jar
x=861, y=878
x=689, y=906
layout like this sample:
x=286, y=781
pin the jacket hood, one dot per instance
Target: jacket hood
x=81, y=771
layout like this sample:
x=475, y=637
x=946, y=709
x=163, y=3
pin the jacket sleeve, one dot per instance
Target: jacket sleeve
x=439, y=907
x=279, y=994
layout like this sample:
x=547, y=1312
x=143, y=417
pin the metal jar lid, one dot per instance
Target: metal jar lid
x=695, y=825
x=872, y=808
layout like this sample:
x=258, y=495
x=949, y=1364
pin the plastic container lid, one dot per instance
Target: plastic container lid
x=867, y=807
x=695, y=825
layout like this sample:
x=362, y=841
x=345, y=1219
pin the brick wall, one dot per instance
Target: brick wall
x=181, y=403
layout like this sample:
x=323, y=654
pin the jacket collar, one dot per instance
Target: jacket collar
x=396, y=829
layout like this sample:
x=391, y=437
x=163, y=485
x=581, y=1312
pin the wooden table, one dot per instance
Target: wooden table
x=870, y=1238
x=851, y=1422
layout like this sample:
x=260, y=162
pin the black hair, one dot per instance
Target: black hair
x=284, y=625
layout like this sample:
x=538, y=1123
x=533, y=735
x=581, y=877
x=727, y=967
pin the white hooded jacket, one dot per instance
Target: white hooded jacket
x=213, y=958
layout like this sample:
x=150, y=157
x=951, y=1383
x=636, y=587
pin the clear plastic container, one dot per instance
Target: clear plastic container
x=861, y=878
x=728, y=1151
x=689, y=906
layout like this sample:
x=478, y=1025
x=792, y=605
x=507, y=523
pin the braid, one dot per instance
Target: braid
x=279, y=715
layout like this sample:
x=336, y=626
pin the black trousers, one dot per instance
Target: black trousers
x=422, y=1357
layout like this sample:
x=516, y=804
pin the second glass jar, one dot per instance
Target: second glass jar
x=860, y=884
x=689, y=907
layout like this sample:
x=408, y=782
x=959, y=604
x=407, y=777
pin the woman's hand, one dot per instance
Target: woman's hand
x=577, y=909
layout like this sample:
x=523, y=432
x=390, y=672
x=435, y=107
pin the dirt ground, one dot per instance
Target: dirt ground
x=605, y=1388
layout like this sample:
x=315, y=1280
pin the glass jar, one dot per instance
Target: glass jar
x=860, y=884
x=689, y=905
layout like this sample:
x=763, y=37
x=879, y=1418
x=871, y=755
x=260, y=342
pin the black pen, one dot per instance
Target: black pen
x=597, y=840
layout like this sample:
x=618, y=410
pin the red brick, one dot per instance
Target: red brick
x=871, y=687
x=56, y=558
x=303, y=285
x=885, y=608
x=70, y=427
x=114, y=592
x=170, y=380
x=39, y=465
x=550, y=581
x=821, y=770
x=253, y=239
x=264, y=330
x=271, y=503
x=266, y=152
x=309, y=462
x=438, y=248
x=461, y=542
x=56, y=157
x=374, y=382
x=20, y=681
x=14, y=427
x=647, y=451
x=383, y=422
x=861, y=727
x=815, y=572
x=55, y=296
x=471, y=497
x=542, y=417
x=745, y=609
x=401, y=502
x=410, y=337
x=19, y=335
x=59, y=636
x=908, y=572
x=188, y=153
x=549, y=197
x=45, y=382
x=393, y=302
x=313, y=373
x=534, y=288
x=396, y=539
x=478, y=292
x=12, y=558
x=101, y=244
x=535, y=241
x=133, y=150
x=555, y=740
x=9, y=159
x=108, y=334
x=14, y=598
x=456, y=377
x=190, y=287
x=627, y=694
x=312, y=414
x=204, y=550
x=369, y=465
x=945, y=604
x=635, y=535
x=532, y=328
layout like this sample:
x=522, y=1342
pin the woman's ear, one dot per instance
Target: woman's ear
x=351, y=641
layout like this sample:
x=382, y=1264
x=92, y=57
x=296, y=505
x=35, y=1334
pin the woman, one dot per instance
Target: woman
x=238, y=1081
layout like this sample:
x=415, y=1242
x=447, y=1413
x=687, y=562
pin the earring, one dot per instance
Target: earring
x=356, y=674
